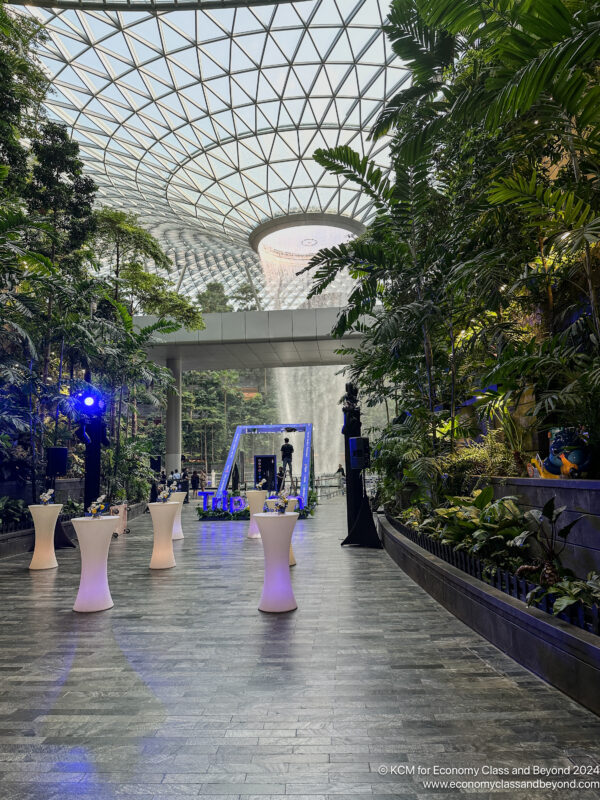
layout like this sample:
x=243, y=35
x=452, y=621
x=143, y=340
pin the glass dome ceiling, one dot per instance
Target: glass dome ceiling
x=208, y=116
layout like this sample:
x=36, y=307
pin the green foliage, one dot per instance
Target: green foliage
x=72, y=508
x=473, y=461
x=221, y=515
x=569, y=592
x=127, y=472
x=213, y=405
x=23, y=88
x=213, y=299
x=13, y=513
x=542, y=528
x=310, y=507
x=482, y=527
x=481, y=269
x=126, y=247
x=246, y=297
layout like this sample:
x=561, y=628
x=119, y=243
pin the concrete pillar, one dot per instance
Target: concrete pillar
x=173, y=424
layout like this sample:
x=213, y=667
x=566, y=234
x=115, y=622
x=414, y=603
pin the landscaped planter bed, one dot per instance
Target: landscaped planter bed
x=566, y=656
x=582, y=550
x=588, y=619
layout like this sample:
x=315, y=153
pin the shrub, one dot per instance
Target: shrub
x=13, y=513
x=483, y=527
x=464, y=468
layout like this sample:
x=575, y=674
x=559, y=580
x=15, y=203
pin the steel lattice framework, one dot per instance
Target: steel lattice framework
x=205, y=119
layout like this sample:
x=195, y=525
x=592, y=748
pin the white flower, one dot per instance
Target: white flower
x=46, y=497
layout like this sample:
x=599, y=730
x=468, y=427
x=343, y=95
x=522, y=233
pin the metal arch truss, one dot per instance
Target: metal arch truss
x=304, y=427
x=205, y=120
x=143, y=5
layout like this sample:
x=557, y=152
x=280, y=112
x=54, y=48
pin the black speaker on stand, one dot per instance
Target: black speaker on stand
x=361, y=528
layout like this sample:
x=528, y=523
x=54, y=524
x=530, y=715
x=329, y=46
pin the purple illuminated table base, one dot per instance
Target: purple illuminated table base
x=94, y=536
x=276, y=533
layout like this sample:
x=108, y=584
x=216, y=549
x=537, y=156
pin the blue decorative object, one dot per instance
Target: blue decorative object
x=304, y=427
x=569, y=453
x=237, y=504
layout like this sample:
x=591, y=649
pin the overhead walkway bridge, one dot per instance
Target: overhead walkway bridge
x=245, y=340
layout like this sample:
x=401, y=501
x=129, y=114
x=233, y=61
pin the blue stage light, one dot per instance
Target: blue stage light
x=88, y=401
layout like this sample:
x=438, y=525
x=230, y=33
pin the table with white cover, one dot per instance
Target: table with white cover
x=256, y=503
x=177, y=497
x=94, y=535
x=276, y=533
x=44, y=521
x=289, y=507
x=163, y=517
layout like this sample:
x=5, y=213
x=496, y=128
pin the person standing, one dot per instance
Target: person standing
x=341, y=477
x=280, y=478
x=195, y=483
x=286, y=458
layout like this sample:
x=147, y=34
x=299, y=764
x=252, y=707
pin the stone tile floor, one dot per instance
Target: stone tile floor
x=185, y=689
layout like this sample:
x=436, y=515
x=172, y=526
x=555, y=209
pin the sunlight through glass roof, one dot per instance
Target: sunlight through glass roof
x=209, y=118
x=285, y=252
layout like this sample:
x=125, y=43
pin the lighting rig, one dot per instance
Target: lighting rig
x=90, y=407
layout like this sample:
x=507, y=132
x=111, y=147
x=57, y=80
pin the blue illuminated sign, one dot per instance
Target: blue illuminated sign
x=304, y=427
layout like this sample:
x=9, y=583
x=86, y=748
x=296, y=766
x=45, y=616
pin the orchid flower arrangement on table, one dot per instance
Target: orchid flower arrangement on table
x=164, y=494
x=281, y=503
x=97, y=507
x=47, y=497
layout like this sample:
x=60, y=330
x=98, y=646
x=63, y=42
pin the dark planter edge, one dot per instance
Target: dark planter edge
x=15, y=543
x=562, y=655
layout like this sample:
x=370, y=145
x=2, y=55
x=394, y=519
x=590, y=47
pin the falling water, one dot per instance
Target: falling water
x=307, y=394
x=311, y=394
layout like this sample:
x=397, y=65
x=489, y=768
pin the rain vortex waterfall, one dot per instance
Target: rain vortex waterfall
x=307, y=394
x=311, y=394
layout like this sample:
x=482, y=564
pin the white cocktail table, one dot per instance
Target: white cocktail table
x=163, y=517
x=94, y=536
x=256, y=503
x=44, y=522
x=276, y=534
x=177, y=497
x=290, y=507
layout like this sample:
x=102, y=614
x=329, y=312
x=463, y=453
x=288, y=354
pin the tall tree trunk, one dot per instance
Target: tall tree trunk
x=452, y=384
x=549, y=292
x=430, y=387
x=587, y=262
x=587, y=259
x=117, y=268
x=32, y=435
x=118, y=442
x=134, y=413
x=58, y=388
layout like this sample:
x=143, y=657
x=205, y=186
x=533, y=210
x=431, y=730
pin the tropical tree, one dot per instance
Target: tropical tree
x=214, y=298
